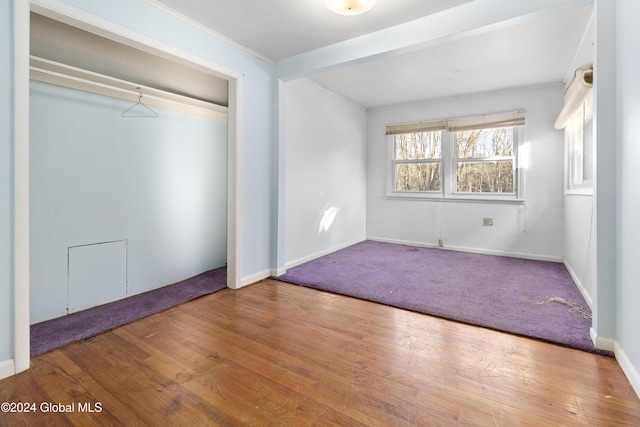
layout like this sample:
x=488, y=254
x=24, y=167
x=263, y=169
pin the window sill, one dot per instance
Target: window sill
x=579, y=192
x=454, y=199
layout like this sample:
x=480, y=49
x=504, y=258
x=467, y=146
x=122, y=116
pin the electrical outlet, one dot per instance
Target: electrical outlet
x=487, y=222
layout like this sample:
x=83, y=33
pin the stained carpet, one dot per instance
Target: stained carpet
x=500, y=293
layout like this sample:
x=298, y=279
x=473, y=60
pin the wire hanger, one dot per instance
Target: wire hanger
x=139, y=109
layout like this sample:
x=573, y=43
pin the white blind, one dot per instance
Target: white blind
x=429, y=126
x=485, y=121
x=575, y=95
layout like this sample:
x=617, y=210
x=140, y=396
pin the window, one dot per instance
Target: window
x=576, y=118
x=417, y=161
x=471, y=157
x=579, y=140
x=485, y=161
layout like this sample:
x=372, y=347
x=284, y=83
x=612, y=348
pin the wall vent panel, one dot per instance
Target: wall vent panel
x=97, y=274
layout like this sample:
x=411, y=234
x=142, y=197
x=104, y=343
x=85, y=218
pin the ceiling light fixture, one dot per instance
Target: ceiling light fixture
x=349, y=7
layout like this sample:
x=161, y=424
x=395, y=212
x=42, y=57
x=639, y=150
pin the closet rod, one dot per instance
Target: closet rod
x=91, y=82
x=173, y=101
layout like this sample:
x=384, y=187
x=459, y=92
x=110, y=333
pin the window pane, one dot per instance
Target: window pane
x=574, y=133
x=418, y=177
x=587, y=135
x=485, y=177
x=418, y=146
x=483, y=143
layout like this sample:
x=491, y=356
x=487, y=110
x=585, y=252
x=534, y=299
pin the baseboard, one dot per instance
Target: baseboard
x=7, y=368
x=627, y=367
x=402, y=242
x=254, y=278
x=316, y=255
x=579, y=284
x=601, y=343
x=533, y=257
x=277, y=272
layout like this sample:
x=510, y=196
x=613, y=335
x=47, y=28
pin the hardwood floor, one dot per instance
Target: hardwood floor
x=283, y=355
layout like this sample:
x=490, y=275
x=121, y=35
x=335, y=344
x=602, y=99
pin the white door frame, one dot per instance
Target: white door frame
x=62, y=12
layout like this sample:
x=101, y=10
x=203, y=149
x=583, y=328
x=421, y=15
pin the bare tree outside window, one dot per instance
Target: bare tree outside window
x=417, y=161
x=485, y=161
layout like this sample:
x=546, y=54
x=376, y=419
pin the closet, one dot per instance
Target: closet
x=128, y=170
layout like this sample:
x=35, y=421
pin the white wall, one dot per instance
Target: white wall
x=325, y=172
x=533, y=229
x=579, y=251
x=158, y=183
x=257, y=198
x=606, y=175
x=6, y=182
x=628, y=228
x=579, y=242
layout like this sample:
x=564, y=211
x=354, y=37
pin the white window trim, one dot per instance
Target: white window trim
x=584, y=188
x=448, y=176
x=391, y=177
x=515, y=195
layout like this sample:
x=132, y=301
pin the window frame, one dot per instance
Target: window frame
x=579, y=138
x=514, y=168
x=449, y=160
x=391, y=189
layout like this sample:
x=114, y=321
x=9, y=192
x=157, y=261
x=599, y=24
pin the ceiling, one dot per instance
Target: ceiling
x=505, y=50
x=278, y=29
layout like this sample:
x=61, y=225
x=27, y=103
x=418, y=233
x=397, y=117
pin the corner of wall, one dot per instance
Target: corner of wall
x=600, y=342
x=254, y=278
x=319, y=254
x=579, y=284
x=7, y=368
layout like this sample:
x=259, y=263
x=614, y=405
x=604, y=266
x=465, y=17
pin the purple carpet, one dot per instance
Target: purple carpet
x=84, y=324
x=489, y=291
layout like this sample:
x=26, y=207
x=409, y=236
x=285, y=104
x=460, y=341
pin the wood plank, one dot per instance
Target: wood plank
x=279, y=354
